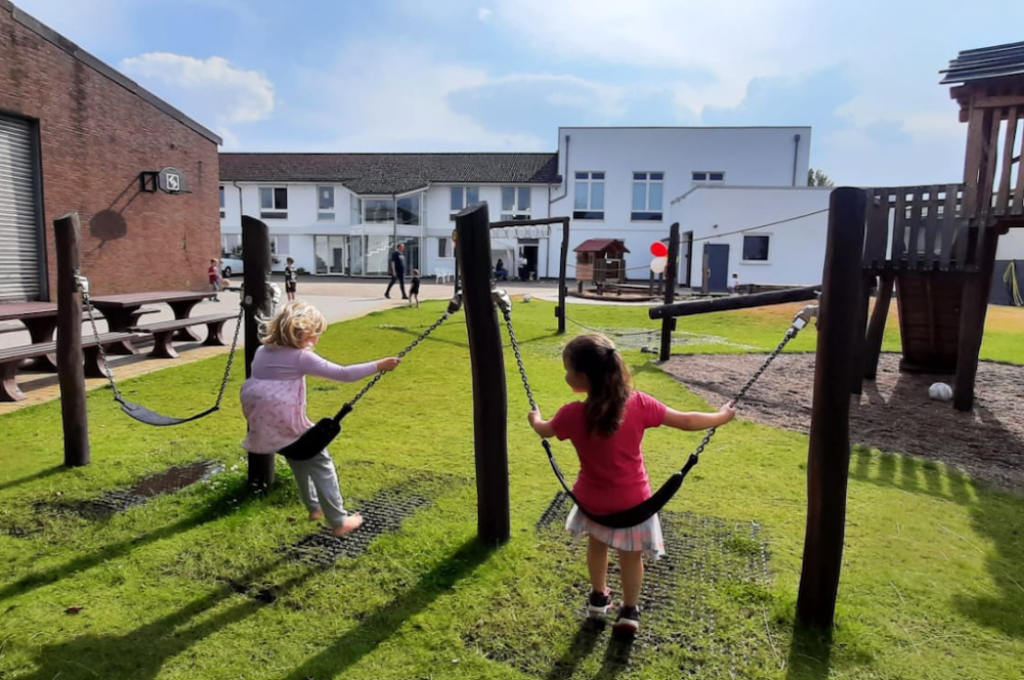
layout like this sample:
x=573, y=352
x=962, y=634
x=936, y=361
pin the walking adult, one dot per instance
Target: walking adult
x=397, y=271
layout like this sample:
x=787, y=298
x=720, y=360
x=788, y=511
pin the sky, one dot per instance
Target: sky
x=503, y=75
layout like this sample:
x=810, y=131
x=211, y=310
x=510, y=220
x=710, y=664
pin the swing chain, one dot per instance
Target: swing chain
x=506, y=311
x=453, y=306
x=239, y=322
x=800, y=321
x=82, y=283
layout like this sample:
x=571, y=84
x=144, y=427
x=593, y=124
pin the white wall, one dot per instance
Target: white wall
x=1011, y=245
x=796, y=252
x=747, y=156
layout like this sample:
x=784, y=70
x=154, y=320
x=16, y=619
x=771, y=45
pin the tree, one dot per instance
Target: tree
x=817, y=178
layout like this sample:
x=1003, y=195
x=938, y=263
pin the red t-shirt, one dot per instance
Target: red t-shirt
x=213, y=273
x=612, y=474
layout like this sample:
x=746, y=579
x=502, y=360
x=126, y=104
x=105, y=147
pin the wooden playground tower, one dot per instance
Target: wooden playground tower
x=937, y=244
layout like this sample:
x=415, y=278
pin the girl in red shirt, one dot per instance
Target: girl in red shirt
x=606, y=429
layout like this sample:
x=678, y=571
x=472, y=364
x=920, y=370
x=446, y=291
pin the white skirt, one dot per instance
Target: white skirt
x=645, y=537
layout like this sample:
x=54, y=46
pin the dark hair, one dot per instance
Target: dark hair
x=610, y=382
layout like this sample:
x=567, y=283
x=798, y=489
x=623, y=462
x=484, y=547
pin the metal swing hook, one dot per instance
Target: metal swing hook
x=501, y=298
x=804, y=316
x=82, y=283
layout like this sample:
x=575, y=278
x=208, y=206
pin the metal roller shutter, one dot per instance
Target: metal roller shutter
x=20, y=252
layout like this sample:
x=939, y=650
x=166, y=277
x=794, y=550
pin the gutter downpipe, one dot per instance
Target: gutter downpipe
x=796, y=155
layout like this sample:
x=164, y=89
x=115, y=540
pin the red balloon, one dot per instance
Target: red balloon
x=659, y=249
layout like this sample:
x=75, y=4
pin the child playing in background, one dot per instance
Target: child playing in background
x=291, y=279
x=274, y=404
x=213, y=273
x=606, y=430
x=414, y=289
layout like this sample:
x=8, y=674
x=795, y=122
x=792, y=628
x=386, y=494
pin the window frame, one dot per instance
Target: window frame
x=650, y=178
x=516, y=212
x=465, y=189
x=768, y=249
x=275, y=212
x=590, y=212
x=327, y=214
x=706, y=176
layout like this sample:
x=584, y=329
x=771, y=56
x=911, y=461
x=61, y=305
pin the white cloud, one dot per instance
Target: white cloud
x=484, y=14
x=731, y=43
x=388, y=97
x=212, y=90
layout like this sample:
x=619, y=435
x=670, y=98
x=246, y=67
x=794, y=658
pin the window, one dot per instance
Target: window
x=515, y=203
x=647, y=190
x=442, y=248
x=231, y=243
x=708, y=176
x=376, y=210
x=274, y=203
x=356, y=213
x=589, y=196
x=409, y=210
x=325, y=204
x=755, y=248
x=280, y=245
x=222, y=201
x=463, y=196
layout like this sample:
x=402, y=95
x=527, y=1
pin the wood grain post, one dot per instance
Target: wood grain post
x=487, y=363
x=973, y=309
x=256, y=261
x=70, y=360
x=876, y=329
x=671, y=273
x=860, y=332
x=829, y=451
x=563, y=288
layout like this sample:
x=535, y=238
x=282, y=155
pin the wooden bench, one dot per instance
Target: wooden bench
x=11, y=359
x=163, y=332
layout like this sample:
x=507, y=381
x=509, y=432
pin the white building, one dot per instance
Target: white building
x=620, y=180
x=342, y=213
x=763, y=235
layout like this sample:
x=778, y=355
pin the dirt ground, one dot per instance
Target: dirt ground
x=894, y=414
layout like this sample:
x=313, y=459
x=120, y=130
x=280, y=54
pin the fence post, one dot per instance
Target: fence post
x=671, y=270
x=487, y=363
x=562, y=286
x=828, y=461
x=70, y=360
x=256, y=260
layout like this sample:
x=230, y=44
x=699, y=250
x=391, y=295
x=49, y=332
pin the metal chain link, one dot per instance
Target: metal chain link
x=506, y=311
x=83, y=285
x=239, y=322
x=422, y=336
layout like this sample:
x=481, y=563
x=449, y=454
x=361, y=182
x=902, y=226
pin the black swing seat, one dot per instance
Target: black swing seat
x=317, y=438
x=638, y=514
x=145, y=415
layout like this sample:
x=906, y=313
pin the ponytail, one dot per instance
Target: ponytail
x=610, y=383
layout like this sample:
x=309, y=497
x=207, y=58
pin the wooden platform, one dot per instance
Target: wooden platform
x=929, y=313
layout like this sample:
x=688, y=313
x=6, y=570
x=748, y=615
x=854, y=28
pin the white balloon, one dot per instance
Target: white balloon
x=940, y=391
x=658, y=264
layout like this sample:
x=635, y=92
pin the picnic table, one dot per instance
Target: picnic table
x=123, y=311
x=40, y=320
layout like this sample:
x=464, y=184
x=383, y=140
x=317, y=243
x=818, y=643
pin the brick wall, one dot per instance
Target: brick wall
x=96, y=136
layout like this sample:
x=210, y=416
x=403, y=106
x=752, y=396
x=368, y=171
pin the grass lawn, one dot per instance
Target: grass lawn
x=192, y=584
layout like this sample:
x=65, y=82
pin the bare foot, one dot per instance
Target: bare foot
x=316, y=515
x=351, y=523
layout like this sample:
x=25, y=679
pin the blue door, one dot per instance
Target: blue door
x=716, y=267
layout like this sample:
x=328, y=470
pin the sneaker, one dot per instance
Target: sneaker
x=598, y=604
x=387, y=295
x=628, y=622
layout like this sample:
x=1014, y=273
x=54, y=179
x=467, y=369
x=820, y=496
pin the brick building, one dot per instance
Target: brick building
x=75, y=135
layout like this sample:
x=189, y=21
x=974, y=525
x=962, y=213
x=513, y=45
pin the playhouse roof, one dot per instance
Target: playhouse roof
x=1000, y=61
x=597, y=245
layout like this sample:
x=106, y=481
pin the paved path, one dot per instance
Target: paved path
x=338, y=299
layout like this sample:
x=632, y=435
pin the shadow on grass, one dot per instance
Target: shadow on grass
x=42, y=474
x=810, y=654
x=222, y=505
x=380, y=625
x=142, y=653
x=580, y=648
x=993, y=515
